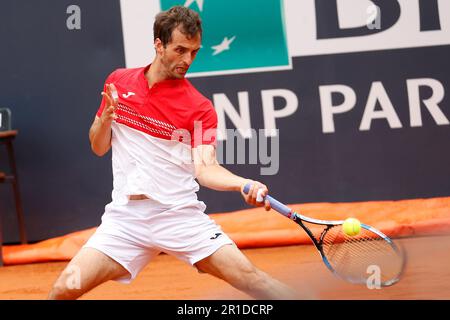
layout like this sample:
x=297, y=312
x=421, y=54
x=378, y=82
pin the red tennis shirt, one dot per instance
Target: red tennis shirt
x=153, y=135
x=168, y=110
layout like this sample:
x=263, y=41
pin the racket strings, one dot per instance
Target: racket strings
x=336, y=253
x=355, y=257
x=348, y=258
x=357, y=269
x=345, y=261
x=357, y=243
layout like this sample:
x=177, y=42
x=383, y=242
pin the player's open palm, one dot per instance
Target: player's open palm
x=111, y=98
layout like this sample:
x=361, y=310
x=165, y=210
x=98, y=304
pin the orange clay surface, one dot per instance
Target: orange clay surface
x=427, y=276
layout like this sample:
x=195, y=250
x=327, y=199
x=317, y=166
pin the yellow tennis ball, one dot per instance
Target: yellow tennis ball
x=351, y=227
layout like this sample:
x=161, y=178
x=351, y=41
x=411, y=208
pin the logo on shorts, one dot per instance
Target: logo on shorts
x=216, y=236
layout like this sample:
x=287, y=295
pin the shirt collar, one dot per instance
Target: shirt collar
x=163, y=83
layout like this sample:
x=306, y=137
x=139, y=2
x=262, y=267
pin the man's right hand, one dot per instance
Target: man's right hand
x=100, y=131
x=111, y=97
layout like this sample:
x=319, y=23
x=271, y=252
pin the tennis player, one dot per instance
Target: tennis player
x=162, y=134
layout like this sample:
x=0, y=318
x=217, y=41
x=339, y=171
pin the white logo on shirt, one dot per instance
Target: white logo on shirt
x=128, y=94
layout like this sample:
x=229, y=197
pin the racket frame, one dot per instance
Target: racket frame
x=318, y=243
x=299, y=219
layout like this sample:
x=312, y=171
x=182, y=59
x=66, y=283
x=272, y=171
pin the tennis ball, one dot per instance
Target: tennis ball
x=351, y=227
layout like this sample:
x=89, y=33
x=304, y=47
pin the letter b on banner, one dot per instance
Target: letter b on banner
x=329, y=26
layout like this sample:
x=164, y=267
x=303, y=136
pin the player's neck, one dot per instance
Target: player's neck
x=156, y=73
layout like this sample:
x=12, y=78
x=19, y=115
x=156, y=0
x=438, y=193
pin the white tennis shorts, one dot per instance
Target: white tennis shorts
x=134, y=233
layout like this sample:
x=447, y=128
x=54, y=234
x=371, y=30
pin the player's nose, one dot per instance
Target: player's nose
x=188, y=58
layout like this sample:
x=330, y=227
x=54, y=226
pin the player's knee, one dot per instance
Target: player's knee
x=65, y=288
x=60, y=291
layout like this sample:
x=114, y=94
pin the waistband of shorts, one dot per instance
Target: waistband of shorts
x=150, y=202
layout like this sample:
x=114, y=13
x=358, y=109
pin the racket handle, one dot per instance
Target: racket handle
x=274, y=203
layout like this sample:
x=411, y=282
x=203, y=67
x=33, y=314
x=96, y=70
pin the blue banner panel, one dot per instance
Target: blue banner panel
x=52, y=78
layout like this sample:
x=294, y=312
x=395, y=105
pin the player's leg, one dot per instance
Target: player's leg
x=88, y=269
x=231, y=265
x=206, y=246
x=118, y=250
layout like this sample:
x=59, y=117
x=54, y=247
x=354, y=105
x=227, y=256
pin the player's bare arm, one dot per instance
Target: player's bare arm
x=100, y=132
x=211, y=174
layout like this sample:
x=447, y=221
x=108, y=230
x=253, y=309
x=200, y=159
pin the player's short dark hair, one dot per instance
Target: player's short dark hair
x=166, y=21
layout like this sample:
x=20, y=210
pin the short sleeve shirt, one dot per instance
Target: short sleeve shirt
x=153, y=135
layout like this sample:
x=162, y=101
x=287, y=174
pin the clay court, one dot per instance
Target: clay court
x=340, y=108
x=278, y=246
x=427, y=276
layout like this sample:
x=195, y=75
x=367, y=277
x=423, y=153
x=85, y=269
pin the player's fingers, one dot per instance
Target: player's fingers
x=108, y=90
x=255, y=195
x=113, y=93
x=112, y=87
x=109, y=114
x=265, y=190
x=250, y=194
x=108, y=98
x=267, y=205
x=256, y=187
x=261, y=193
x=111, y=111
x=252, y=189
x=111, y=106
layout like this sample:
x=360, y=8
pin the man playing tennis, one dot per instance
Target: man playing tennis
x=162, y=134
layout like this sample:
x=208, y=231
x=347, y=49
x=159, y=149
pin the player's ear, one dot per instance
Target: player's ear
x=158, y=46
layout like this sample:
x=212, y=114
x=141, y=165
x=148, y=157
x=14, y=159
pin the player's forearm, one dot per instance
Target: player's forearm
x=100, y=137
x=218, y=178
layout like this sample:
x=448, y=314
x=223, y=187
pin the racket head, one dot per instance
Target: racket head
x=351, y=257
x=370, y=256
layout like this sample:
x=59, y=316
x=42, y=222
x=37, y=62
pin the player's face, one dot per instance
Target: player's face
x=179, y=54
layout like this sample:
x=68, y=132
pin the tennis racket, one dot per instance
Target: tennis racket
x=352, y=258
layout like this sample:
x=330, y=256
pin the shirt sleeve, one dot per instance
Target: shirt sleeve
x=205, y=127
x=109, y=79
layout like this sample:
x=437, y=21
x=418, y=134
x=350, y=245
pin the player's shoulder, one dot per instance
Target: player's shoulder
x=126, y=73
x=197, y=96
